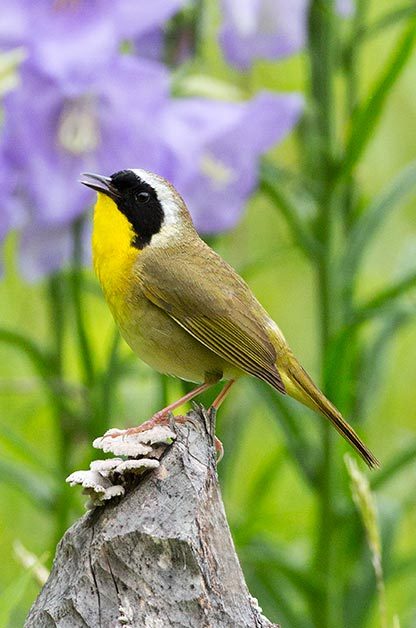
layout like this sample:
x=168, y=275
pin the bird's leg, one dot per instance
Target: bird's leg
x=224, y=392
x=215, y=405
x=161, y=417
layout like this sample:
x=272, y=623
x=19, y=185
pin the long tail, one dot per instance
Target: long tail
x=300, y=386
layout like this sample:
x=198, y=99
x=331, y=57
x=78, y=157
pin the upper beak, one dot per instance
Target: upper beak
x=99, y=183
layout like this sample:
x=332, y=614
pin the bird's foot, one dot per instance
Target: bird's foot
x=157, y=419
x=160, y=418
x=165, y=419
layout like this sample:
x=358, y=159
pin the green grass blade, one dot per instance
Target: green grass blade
x=270, y=185
x=20, y=449
x=264, y=555
x=35, y=487
x=262, y=483
x=390, y=18
x=37, y=356
x=298, y=446
x=391, y=469
x=374, y=216
x=386, y=298
x=11, y=597
x=368, y=115
x=374, y=359
x=277, y=599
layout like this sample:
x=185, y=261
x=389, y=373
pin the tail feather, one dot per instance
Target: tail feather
x=300, y=385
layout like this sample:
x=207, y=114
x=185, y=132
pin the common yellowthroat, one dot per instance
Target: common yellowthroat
x=181, y=308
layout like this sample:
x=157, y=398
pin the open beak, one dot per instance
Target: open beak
x=99, y=183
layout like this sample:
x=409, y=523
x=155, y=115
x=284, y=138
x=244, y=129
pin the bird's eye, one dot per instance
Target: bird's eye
x=143, y=197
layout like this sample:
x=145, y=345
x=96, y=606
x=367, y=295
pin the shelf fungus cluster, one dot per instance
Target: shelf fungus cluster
x=135, y=453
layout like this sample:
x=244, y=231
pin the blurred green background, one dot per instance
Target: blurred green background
x=273, y=512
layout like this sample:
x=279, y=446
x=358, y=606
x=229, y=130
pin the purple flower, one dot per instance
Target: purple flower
x=13, y=24
x=82, y=106
x=345, y=8
x=52, y=134
x=44, y=249
x=266, y=29
x=150, y=45
x=217, y=146
x=73, y=41
x=6, y=215
x=70, y=41
x=262, y=29
x=10, y=211
x=138, y=18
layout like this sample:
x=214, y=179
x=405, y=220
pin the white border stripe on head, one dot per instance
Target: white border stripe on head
x=164, y=193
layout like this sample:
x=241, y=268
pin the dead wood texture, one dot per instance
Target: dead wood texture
x=161, y=556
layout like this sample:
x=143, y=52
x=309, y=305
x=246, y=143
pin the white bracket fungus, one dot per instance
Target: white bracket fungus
x=141, y=451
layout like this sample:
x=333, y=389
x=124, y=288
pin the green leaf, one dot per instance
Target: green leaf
x=298, y=446
x=386, y=298
x=250, y=268
x=374, y=358
x=367, y=116
x=11, y=597
x=404, y=567
x=264, y=555
x=13, y=444
x=37, y=488
x=37, y=356
x=347, y=335
x=391, y=18
x=85, y=352
x=231, y=430
x=106, y=387
x=262, y=483
x=41, y=361
x=361, y=592
x=277, y=597
x=395, y=466
x=270, y=184
x=372, y=218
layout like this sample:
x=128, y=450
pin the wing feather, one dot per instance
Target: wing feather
x=212, y=303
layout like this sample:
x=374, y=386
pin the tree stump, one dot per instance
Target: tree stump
x=160, y=556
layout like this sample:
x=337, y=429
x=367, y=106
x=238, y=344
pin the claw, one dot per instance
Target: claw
x=219, y=448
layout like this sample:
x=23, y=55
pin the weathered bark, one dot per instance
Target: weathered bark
x=161, y=556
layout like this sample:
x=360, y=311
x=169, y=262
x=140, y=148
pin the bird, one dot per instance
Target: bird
x=180, y=307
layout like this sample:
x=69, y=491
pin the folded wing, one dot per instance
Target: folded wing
x=206, y=297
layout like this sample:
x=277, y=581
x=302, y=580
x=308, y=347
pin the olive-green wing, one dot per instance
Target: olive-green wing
x=210, y=301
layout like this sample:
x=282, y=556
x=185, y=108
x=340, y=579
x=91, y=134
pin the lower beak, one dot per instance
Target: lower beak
x=99, y=183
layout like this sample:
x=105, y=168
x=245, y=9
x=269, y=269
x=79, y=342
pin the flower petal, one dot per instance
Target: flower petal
x=266, y=29
x=217, y=146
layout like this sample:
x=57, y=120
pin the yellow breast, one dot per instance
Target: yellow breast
x=113, y=254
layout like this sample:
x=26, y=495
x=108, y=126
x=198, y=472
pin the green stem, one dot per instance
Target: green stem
x=282, y=201
x=40, y=360
x=103, y=394
x=322, y=44
x=62, y=421
x=352, y=74
x=391, y=18
x=368, y=115
x=85, y=352
x=292, y=427
x=109, y=380
x=163, y=391
x=385, y=298
x=391, y=470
